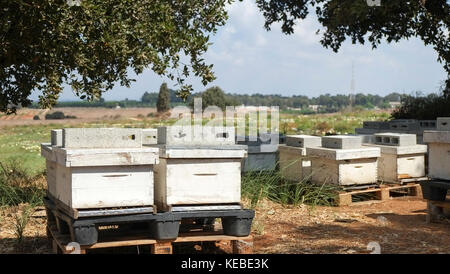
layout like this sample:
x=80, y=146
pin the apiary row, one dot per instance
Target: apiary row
x=154, y=175
x=352, y=160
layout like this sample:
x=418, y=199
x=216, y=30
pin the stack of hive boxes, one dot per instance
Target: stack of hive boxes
x=198, y=166
x=401, y=157
x=294, y=163
x=92, y=168
x=439, y=161
x=343, y=161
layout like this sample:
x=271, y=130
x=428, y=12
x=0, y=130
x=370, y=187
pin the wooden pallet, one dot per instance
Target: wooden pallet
x=435, y=210
x=381, y=193
x=61, y=243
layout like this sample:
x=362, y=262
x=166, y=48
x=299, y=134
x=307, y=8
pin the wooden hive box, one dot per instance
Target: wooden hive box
x=198, y=175
x=344, y=167
x=438, y=154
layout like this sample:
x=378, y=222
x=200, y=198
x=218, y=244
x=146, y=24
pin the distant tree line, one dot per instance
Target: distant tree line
x=216, y=96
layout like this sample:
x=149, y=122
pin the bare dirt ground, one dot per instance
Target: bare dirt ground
x=25, y=116
x=397, y=226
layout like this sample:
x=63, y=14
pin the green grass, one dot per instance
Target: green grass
x=270, y=185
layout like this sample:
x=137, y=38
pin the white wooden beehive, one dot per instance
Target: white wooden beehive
x=344, y=167
x=88, y=178
x=198, y=176
x=400, y=162
x=438, y=154
x=190, y=173
x=100, y=178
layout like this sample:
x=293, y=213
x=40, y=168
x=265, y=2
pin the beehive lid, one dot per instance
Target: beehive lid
x=343, y=154
x=101, y=156
x=201, y=152
x=401, y=150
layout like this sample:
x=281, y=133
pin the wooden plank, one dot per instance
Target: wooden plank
x=242, y=246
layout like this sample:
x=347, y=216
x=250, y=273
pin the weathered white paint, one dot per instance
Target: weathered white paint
x=226, y=151
x=344, y=154
x=439, y=160
x=100, y=178
x=197, y=181
x=400, y=162
x=106, y=157
x=344, y=172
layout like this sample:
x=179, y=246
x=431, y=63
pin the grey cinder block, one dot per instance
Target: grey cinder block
x=395, y=139
x=205, y=135
x=443, y=123
x=342, y=142
x=404, y=124
x=427, y=124
x=57, y=137
x=376, y=125
x=303, y=141
x=149, y=136
x=102, y=137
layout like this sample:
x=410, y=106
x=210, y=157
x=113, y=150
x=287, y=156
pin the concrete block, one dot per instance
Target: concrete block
x=102, y=137
x=443, y=123
x=341, y=142
x=427, y=124
x=149, y=136
x=395, y=139
x=206, y=136
x=365, y=138
x=57, y=137
x=376, y=125
x=366, y=131
x=404, y=124
x=303, y=141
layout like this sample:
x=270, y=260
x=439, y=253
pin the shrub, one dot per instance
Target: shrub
x=57, y=115
x=36, y=117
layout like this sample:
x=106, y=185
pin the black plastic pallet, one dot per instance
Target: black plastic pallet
x=435, y=190
x=161, y=226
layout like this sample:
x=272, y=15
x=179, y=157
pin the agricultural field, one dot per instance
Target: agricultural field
x=306, y=216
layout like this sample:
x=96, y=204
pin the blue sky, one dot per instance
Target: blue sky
x=248, y=59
